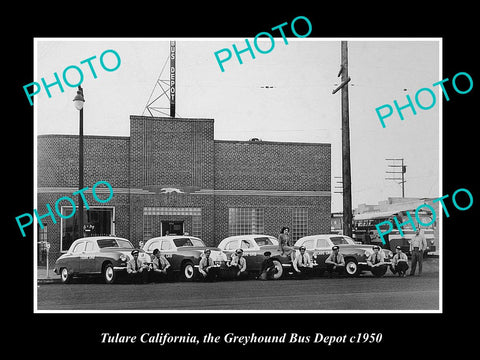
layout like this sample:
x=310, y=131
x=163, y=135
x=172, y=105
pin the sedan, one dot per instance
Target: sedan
x=104, y=256
x=320, y=247
x=184, y=254
x=254, y=246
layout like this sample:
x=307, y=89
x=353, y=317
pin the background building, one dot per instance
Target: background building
x=170, y=175
x=366, y=216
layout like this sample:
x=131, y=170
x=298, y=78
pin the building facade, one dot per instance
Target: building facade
x=171, y=176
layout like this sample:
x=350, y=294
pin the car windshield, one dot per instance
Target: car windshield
x=181, y=242
x=261, y=241
x=103, y=243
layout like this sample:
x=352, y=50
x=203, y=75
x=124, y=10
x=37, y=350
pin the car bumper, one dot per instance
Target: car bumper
x=120, y=268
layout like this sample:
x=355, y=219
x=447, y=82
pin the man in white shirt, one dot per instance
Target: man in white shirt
x=207, y=267
x=376, y=261
x=417, y=246
x=302, y=264
x=239, y=265
x=399, y=263
x=137, y=270
x=160, y=267
x=335, y=262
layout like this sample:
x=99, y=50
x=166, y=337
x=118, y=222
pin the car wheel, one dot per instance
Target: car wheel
x=279, y=267
x=109, y=274
x=65, y=276
x=351, y=268
x=187, y=272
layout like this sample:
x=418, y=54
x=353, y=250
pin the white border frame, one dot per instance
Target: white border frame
x=336, y=39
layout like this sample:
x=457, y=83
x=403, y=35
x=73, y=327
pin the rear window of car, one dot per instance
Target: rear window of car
x=338, y=240
x=103, y=243
x=124, y=244
x=180, y=242
x=261, y=241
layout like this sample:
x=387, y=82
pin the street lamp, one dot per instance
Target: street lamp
x=78, y=101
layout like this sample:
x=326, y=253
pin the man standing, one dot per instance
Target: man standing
x=160, y=266
x=239, y=265
x=399, y=263
x=136, y=269
x=335, y=262
x=206, y=267
x=302, y=264
x=417, y=245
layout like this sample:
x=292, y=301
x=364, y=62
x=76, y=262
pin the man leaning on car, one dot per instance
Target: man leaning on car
x=136, y=269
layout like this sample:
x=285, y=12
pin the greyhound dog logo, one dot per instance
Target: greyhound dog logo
x=170, y=191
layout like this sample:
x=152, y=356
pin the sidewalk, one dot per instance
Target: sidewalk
x=44, y=278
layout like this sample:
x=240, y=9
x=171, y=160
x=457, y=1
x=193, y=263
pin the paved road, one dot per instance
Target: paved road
x=364, y=293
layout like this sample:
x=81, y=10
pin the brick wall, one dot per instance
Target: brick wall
x=104, y=159
x=57, y=166
x=272, y=166
x=181, y=153
x=168, y=152
x=277, y=212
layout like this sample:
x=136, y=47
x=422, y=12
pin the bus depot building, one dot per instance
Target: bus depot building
x=171, y=176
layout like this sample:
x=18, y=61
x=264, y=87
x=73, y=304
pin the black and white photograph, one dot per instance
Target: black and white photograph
x=215, y=180
x=201, y=167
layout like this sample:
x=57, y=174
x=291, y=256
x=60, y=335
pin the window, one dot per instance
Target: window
x=299, y=223
x=323, y=243
x=187, y=242
x=89, y=247
x=97, y=221
x=309, y=244
x=338, y=240
x=197, y=225
x=245, y=244
x=231, y=245
x=261, y=241
x=166, y=245
x=243, y=221
x=124, y=244
x=79, y=247
x=153, y=217
x=153, y=245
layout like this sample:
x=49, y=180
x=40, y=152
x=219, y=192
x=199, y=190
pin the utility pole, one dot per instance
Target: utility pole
x=402, y=171
x=347, y=185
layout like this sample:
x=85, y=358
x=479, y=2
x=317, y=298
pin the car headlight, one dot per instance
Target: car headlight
x=123, y=257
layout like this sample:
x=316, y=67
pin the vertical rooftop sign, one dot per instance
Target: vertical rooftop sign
x=172, y=78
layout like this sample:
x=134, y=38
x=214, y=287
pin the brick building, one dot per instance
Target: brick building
x=171, y=175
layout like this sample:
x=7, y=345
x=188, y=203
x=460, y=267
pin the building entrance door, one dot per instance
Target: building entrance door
x=172, y=228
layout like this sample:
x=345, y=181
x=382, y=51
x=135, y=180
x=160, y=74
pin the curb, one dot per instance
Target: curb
x=49, y=281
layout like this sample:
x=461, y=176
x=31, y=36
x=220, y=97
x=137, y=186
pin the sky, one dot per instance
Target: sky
x=299, y=108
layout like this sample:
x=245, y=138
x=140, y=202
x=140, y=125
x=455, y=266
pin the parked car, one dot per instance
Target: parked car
x=320, y=247
x=254, y=246
x=94, y=256
x=184, y=254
